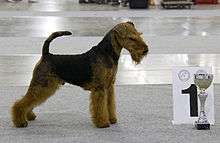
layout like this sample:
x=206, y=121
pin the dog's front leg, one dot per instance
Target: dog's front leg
x=111, y=104
x=98, y=108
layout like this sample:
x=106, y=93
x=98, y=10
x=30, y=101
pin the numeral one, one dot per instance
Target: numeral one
x=192, y=91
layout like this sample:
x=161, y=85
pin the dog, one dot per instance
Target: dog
x=94, y=70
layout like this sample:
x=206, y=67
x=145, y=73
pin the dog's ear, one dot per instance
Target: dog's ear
x=118, y=33
x=131, y=23
x=118, y=37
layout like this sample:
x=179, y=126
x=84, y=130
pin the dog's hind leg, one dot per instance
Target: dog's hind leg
x=98, y=108
x=36, y=94
x=111, y=105
x=22, y=109
x=43, y=85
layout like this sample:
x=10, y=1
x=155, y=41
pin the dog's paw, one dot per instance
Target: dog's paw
x=101, y=123
x=113, y=120
x=105, y=125
x=31, y=116
x=21, y=125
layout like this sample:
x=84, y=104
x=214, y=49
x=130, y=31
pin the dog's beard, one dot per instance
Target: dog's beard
x=137, y=58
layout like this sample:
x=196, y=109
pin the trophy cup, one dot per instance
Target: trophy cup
x=202, y=80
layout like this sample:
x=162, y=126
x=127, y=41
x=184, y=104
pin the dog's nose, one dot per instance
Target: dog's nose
x=145, y=51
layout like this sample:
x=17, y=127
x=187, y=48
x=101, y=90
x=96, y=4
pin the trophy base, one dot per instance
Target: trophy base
x=200, y=126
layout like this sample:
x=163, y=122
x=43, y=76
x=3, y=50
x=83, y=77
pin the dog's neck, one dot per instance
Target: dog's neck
x=109, y=48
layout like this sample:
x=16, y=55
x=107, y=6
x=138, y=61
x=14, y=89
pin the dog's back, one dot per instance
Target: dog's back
x=73, y=69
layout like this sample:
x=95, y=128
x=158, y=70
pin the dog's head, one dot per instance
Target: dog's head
x=129, y=38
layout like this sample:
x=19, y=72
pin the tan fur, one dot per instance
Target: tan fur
x=44, y=82
x=98, y=108
x=111, y=105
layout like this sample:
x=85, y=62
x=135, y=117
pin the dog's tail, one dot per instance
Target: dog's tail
x=45, y=50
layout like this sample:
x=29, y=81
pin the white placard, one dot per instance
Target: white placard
x=184, y=104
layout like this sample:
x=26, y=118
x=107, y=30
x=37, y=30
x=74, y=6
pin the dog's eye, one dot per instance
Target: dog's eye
x=131, y=38
x=140, y=33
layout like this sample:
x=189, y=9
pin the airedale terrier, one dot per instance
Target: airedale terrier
x=94, y=70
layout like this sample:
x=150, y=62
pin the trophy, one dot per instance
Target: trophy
x=202, y=80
